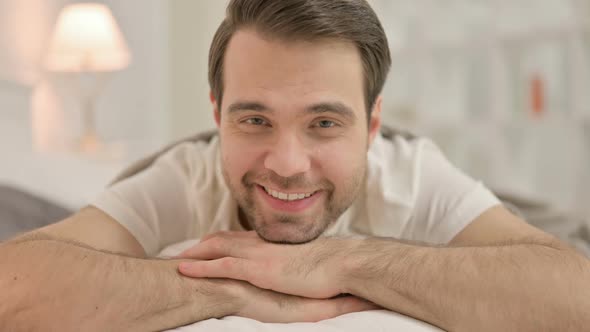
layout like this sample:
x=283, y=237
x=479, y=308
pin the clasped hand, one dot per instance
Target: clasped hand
x=309, y=270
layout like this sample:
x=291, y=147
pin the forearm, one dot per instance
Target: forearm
x=51, y=285
x=526, y=287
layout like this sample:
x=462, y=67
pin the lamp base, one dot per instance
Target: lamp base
x=90, y=147
x=89, y=144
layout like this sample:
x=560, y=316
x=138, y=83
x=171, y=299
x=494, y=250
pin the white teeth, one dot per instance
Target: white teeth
x=286, y=197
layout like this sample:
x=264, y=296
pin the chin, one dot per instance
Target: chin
x=288, y=234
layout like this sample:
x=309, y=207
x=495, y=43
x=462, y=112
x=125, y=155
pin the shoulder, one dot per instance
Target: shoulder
x=401, y=149
x=188, y=150
x=396, y=165
x=192, y=158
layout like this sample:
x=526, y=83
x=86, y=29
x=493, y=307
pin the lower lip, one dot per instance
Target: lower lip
x=289, y=206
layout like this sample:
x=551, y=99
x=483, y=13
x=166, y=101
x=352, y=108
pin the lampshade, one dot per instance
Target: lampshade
x=87, y=38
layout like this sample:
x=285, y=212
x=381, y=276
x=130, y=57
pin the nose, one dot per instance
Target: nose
x=288, y=157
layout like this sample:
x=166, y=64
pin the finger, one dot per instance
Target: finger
x=350, y=304
x=326, y=309
x=227, y=267
x=227, y=234
x=215, y=248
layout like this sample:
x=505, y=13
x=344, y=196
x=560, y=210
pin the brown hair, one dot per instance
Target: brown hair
x=350, y=20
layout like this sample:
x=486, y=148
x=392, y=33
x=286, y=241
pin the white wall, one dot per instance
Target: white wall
x=192, y=26
x=134, y=104
x=21, y=44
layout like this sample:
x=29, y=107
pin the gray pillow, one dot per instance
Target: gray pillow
x=21, y=212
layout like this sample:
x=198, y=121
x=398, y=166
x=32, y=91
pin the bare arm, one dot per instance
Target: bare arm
x=49, y=285
x=57, y=279
x=520, y=287
x=482, y=282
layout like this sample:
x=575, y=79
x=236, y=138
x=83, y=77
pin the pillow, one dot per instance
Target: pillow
x=21, y=212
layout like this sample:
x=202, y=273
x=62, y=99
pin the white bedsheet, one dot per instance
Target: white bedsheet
x=375, y=320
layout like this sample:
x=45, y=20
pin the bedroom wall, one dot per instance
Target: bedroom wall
x=463, y=76
x=21, y=45
x=192, y=26
x=136, y=99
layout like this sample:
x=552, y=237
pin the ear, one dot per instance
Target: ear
x=375, y=120
x=216, y=114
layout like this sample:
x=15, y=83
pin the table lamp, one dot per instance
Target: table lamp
x=87, y=42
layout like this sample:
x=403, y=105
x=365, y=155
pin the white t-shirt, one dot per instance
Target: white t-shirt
x=412, y=193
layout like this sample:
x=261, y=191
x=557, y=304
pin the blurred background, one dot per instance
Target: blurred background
x=500, y=85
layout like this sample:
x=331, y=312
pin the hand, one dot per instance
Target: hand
x=310, y=270
x=272, y=307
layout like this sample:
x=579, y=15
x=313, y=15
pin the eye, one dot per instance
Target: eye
x=326, y=124
x=256, y=121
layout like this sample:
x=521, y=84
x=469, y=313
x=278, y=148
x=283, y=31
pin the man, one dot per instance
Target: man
x=333, y=208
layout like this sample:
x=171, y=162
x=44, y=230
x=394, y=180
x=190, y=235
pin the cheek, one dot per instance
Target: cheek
x=238, y=157
x=341, y=161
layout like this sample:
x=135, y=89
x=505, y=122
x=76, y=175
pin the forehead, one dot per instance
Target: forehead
x=294, y=73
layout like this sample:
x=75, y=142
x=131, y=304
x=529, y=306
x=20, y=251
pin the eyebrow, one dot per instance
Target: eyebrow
x=320, y=108
x=242, y=106
x=333, y=107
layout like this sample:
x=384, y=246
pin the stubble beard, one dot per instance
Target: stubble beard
x=303, y=231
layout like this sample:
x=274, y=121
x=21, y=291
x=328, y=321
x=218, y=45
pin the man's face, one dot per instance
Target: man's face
x=294, y=133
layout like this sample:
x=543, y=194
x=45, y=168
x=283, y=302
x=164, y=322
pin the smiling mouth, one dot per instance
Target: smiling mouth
x=287, y=197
